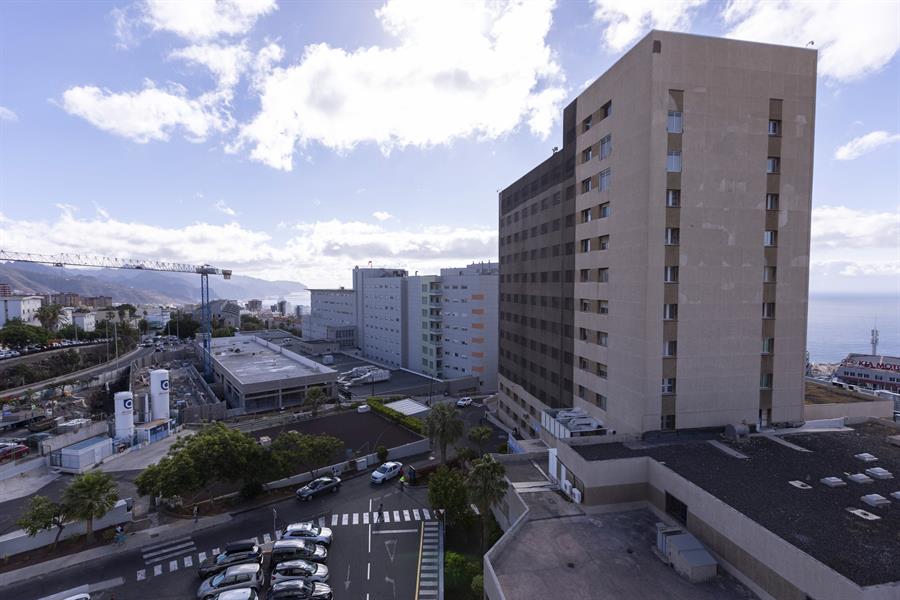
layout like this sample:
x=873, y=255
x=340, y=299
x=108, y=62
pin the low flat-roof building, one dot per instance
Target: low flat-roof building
x=81, y=456
x=871, y=372
x=258, y=375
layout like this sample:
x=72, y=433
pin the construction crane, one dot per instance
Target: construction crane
x=83, y=260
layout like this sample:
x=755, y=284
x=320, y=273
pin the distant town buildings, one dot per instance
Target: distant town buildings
x=24, y=308
x=254, y=305
x=5, y=290
x=86, y=321
x=226, y=312
x=871, y=372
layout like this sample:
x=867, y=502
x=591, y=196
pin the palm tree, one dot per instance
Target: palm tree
x=487, y=485
x=89, y=497
x=48, y=315
x=443, y=426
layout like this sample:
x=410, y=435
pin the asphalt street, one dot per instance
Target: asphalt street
x=371, y=558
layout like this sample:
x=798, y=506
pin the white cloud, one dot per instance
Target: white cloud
x=844, y=228
x=627, y=20
x=382, y=215
x=854, y=38
x=865, y=144
x=456, y=70
x=226, y=62
x=224, y=208
x=8, y=115
x=203, y=20
x=150, y=114
x=320, y=254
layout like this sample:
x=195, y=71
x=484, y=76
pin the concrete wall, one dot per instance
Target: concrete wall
x=855, y=412
x=67, y=439
x=18, y=541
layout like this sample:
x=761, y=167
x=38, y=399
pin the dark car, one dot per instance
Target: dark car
x=300, y=589
x=284, y=550
x=318, y=486
x=235, y=553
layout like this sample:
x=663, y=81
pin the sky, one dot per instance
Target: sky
x=294, y=140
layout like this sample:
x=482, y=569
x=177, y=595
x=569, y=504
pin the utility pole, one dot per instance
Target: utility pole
x=116, y=337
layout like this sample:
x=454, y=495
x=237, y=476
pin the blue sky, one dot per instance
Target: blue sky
x=295, y=140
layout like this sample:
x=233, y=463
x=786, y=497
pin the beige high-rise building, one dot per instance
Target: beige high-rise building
x=690, y=165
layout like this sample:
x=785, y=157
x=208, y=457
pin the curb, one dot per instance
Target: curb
x=138, y=540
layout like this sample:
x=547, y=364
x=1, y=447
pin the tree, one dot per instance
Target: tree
x=447, y=491
x=443, y=426
x=43, y=514
x=292, y=449
x=220, y=332
x=90, y=496
x=251, y=323
x=487, y=486
x=48, y=315
x=382, y=453
x=313, y=397
x=480, y=435
x=459, y=572
x=17, y=334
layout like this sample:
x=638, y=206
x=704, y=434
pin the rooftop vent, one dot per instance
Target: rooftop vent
x=879, y=473
x=799, y=484
x=863, y=514
x=833, y=482
x=865, y=457
x=860, y=478
x=875, y=500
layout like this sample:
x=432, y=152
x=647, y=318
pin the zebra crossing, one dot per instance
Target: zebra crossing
x=182, y=553
x=430, y=571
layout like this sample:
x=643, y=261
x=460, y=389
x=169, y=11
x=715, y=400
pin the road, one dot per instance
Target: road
x=367, y=560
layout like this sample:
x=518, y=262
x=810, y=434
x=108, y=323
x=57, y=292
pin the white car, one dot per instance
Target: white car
x=309, y=531
x=465, y=401
x=388, y=470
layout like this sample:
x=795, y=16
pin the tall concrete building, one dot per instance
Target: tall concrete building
x=654, y=271
x=332, y=317
x=380, y=306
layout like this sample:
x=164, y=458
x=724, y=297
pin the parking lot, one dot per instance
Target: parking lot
x=401, y=382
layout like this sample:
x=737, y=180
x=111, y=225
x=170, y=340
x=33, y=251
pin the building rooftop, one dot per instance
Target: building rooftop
x=87, y=443
x=820, y=393
x=814, y=519
x=251, y=360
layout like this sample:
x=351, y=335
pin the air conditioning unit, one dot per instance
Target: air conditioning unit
x=576, y=495
x=567, y=487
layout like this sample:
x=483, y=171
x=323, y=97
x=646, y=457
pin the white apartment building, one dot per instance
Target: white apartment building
x=87, y=322
x=24, y=308
x=424, y=334
x=332, y=317
x=382, y=325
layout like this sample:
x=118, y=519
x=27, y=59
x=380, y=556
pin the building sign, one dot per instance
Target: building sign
x=867, y=364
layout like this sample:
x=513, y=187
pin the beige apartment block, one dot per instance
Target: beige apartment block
x=693, y=179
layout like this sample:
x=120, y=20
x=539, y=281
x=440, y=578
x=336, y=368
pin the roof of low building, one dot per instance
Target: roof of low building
x=250, y=360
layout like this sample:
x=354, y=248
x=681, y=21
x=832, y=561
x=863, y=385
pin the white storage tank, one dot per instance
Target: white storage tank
x=124, y=422
x=159, y=393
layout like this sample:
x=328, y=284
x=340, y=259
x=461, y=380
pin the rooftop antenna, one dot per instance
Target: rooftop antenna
x=874, y=339
x=810, y=43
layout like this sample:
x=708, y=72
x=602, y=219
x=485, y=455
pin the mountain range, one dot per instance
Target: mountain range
x=138, y=287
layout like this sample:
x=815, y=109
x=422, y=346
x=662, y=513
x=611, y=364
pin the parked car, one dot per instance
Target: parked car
x=233, y=578
x=307, y=530
x=299, y=589
x=298, y=569
x=318, y=486
x=388, y=470
x=285, y=550
x=11, y=451
x=464, y=401
x=238, y=594
x=235, y=553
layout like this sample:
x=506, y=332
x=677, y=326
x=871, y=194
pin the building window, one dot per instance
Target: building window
x=601, y=401
x=604, y=210
x=585, y=305
x=602, y=338
x=586, y=186
x=769, y=274
x=667, y=423
x=586, y=155
x=606, y=110
x=584, y=275
x=673, y=162
x=605, y=146
x=586, y=215
x=601, y=371
x=603, y=307
x=771, y=201
x=670, y=312
x=770, y=239
x=672, y=236
x=670, y=348
x=765, y=381
x=605, y=179
x=674, y=123
x=768, y=346
x=774, y=127
x=773, y=164
x=768, y=310
x=586, y=124
x=673, y=198
x=603, y=242
x=586, y=245
x=668, y=385
x=671, y=275
x=582, y=335
x=602, y=275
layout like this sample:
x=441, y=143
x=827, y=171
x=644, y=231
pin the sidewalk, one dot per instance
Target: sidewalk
x=135, y=541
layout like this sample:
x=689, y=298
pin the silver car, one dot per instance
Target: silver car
x=307, y=530
x=239, y=576
x=298, y=569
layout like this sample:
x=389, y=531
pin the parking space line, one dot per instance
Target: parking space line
x=344, y=518
x=334, y=519
x=356, y=518
x=157, y=569
x=142, y=574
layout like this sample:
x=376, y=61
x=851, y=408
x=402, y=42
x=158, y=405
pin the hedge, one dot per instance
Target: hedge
x=377, y=405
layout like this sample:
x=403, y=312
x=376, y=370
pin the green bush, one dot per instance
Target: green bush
x=382, y=453
x=377, y=405
x=459, y=572
x=478, y=585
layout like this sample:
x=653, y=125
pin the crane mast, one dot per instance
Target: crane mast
x=83, y=260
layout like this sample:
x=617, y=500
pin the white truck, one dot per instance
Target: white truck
x=373, y=376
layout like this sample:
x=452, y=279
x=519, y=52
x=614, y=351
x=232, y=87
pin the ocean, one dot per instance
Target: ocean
x=842, y=324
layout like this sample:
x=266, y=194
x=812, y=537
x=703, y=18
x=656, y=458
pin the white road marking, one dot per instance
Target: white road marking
x=365, y=518
x=426, y=514
x=188, y=561
x=278, y=534
x=142, y=575
x=255, y=540
x=391, y=531
x=215, y=550
x=321, y=521
x=201, y=557
x=406, y=515
x=356, y=518
x=173, y=565
x=334, y=520
x=266, y=538
x=396, y=515
x=386, y=517
x=344, y=519
x=368, y=571
x=416, y=514
x=157, y=570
